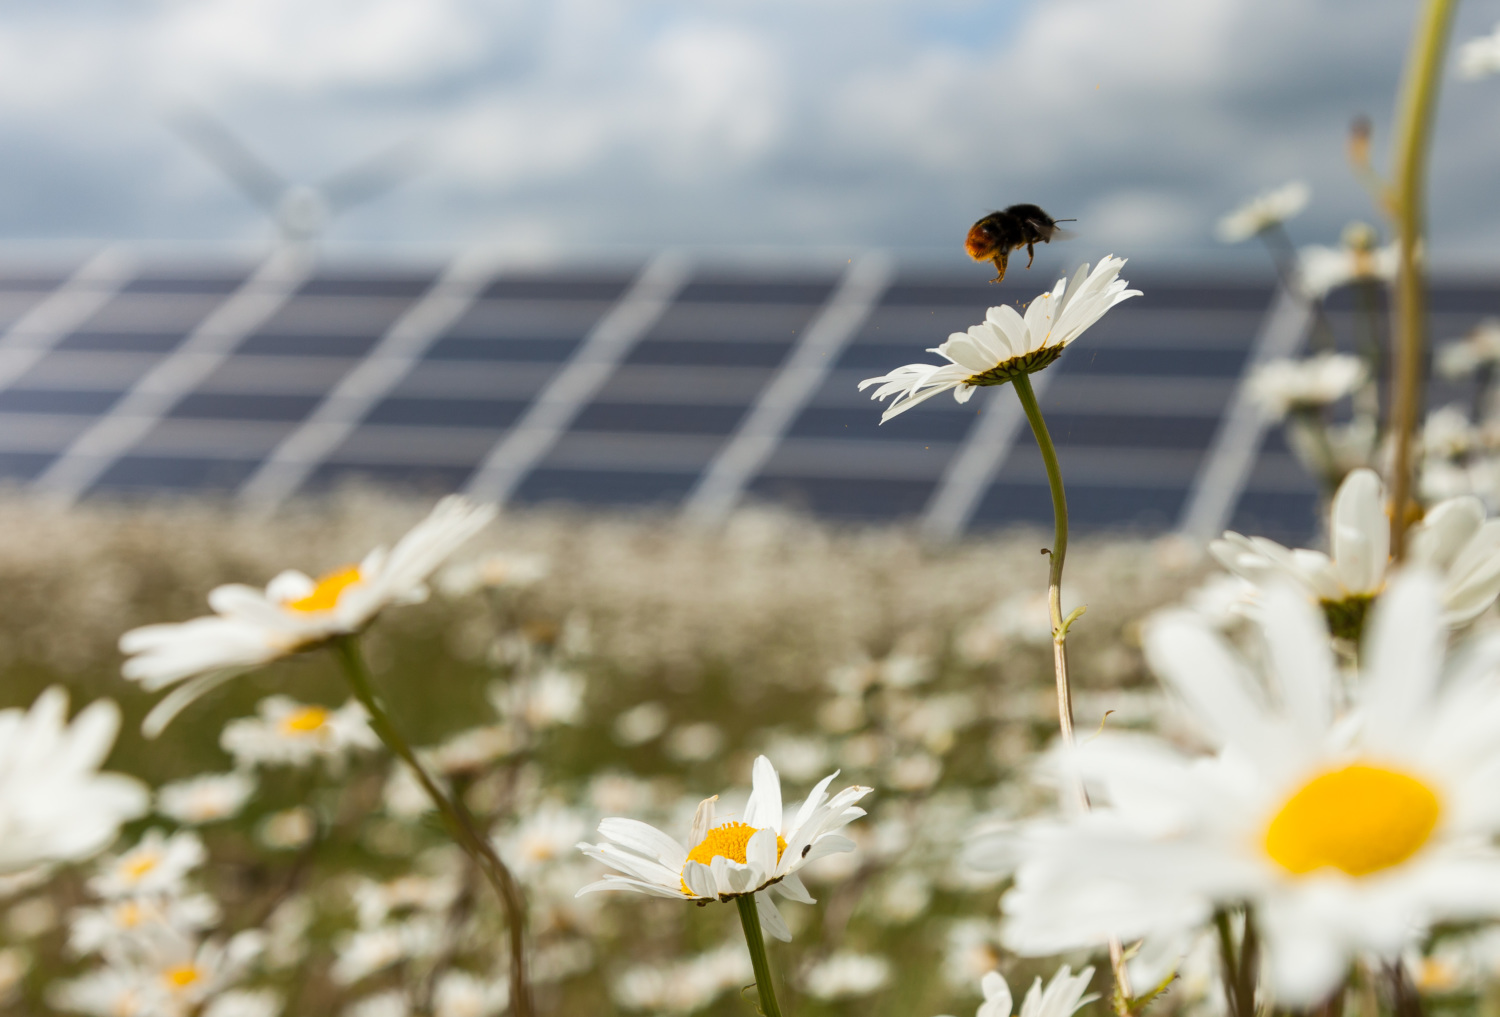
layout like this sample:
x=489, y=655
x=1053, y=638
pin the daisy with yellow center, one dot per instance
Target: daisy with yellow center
x=290, y=733
x=1345, y=834
x=251, y=627
x=158, y=864
x=754, y=853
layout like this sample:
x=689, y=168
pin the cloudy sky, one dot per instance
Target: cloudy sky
x=580, y=123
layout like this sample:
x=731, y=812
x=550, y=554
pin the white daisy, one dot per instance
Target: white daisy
x=188, y=973
x=1480, y=57
x=1453, y=539
x=846, y=975
x=1007, y=345
x=755, y=854
x=158, y=864
x=499, y=570
x=1284, y=386
x=1061, y=998
x=288, y=829
x=1265, y=210
x=541, y=837
x=462, y=994
x=55, y=805
x=244, y=1003
x=375, y=902
x=1480, y=348
x=1344, y=835
x=683, y=986
x=294, y=734
x=1357, y=259
x=294, y=612
x=206, y=798
x=366, y=951
x=106, y=992
x=123, y=920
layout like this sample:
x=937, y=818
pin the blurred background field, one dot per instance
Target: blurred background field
x=638, y=664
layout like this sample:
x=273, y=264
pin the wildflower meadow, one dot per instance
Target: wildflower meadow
x=375, y=756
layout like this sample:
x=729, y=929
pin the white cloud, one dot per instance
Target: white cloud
x=308, y=47
x=885, y=121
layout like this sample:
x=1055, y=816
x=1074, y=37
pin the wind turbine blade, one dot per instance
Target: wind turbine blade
x=373, y=177
x=219, y=145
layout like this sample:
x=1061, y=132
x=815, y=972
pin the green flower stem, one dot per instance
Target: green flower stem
x=1237, y=966
x=1060, y=625
x=1058, y=555
x=750, y=922
x=460, y=824
x=1419, y=92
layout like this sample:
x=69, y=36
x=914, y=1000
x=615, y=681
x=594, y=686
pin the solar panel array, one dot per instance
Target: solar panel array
x=678, y=383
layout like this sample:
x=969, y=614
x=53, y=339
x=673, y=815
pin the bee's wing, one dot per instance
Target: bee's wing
x=1048, y=228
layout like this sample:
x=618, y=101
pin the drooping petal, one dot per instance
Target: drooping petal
x=792, y=888
x=771, y=922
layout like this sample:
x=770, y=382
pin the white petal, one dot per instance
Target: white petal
x=997, y=997
x=1301, y=659
x=1197, y=663
x=764, y=807
x=700, y=880
x=1403, y=656
x=771, y=922
x=703, y=820
x=645, y=839
x=760, y=855
x=792, y=888
x=1443, y=531
x=1361, y=532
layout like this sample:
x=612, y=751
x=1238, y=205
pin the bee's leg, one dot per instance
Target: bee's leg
x=1001, y=260
x=1030, y=253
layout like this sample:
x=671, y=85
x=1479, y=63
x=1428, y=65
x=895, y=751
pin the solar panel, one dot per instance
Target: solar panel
x=676, y=383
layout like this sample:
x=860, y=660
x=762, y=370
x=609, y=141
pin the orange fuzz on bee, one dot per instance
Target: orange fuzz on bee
x=997, y=234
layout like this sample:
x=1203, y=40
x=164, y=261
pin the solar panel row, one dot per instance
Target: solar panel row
x=674, y=383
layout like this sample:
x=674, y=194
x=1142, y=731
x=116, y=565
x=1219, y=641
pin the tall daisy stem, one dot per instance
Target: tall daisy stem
x=1059, y=552
x=756, y=941
x=460, y=824
x=1419, y=92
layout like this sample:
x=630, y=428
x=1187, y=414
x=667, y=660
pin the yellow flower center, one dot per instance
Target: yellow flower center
x=325, y=596
x=731, y=840
x=1435, y=974
x=139, y=867
x=304, y=721
x=1360, y=819
x=182, y=977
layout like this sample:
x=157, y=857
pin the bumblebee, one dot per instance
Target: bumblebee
x=997, y=234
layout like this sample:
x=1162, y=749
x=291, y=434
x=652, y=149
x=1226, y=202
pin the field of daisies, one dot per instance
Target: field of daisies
x=369, y=757
x=267, y=854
